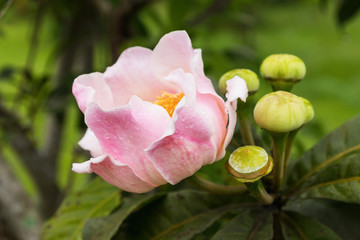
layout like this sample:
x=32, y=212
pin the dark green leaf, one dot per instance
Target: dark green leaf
x=296, y=226
x=340, y=181
x=105, y=227
x=248, y=224
x=330, y=151
x=347, y=10
x=181, y=215
x=193, y=225
x=98, y=199
x=342, y=218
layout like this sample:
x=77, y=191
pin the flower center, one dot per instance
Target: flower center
x=168, y=101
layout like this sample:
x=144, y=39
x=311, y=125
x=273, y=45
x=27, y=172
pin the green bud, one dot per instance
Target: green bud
x=283, y=71
x=249, y=163
x=280, y=112
x=251, y=79
x=309, y=110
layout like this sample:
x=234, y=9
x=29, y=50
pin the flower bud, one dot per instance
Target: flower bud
x=309, y=110
x=283, y=70
x=281, y=112
x=251, y=79
x=249, y=163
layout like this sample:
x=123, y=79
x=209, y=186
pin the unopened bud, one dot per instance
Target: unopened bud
x=281, y=112
x=249, y=163
x=309, y=110
x=251, y=79
x=283, y=71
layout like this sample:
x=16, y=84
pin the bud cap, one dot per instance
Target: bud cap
x=285, y=67
x=249, y=163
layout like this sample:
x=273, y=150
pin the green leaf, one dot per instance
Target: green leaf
x=296, y=226
x=340, y=181
x=248, y=224
x=330, y=151
x=330, y=212
x=105, y=227
x=98, y=199
x=181, y=215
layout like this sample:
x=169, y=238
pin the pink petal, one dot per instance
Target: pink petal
x=236, y=88
x=185, y=82
x=203, y=84
x=92, y=87
x=173, y=51
x=212, y=105
x=187, y=146
x=89, y=142
x=115, y=173
x=125, y=132
x=215, y=109
x=132, y=74
x=231, y=110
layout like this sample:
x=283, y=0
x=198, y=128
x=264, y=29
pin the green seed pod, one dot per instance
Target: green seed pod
x=283, y=71
x=249, y=163
x=280, y=112
x=251, y=79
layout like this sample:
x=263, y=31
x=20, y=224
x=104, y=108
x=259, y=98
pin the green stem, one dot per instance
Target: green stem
x=258, y=191
x=288, y=148
x=216, y=188
x=281, y=85
x=244, y=124
x=279, y=141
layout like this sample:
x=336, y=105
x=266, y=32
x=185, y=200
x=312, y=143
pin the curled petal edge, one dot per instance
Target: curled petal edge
x=115, y=173
x=236, y=88
x=91, y=143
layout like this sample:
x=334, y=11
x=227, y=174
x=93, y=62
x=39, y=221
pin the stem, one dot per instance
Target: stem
x=288, y=148
x=258, y=191
x=244, y=124
x=281, y=85
x=279, y=140
x=277, y=227
x=216, y=188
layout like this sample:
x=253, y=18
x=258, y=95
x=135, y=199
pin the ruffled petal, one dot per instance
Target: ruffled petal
x=187, y=145
x=90, y=142
x=132, y=74
x=115, y=173
x=185, y=82
x=125, y=132
x=173, y=51
x=212, y=105
x=92, y=87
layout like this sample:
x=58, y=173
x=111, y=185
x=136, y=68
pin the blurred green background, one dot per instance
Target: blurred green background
x=45, y=44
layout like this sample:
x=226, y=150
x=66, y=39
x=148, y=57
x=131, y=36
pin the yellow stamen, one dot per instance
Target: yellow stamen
x=168, y=101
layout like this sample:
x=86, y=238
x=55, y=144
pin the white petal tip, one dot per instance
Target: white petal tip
x=82, y=167
x=236, y=88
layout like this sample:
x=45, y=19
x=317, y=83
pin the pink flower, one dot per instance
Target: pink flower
x=153, y=117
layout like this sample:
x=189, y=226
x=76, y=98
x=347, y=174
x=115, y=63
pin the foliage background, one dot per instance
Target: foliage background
x=45, y=44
